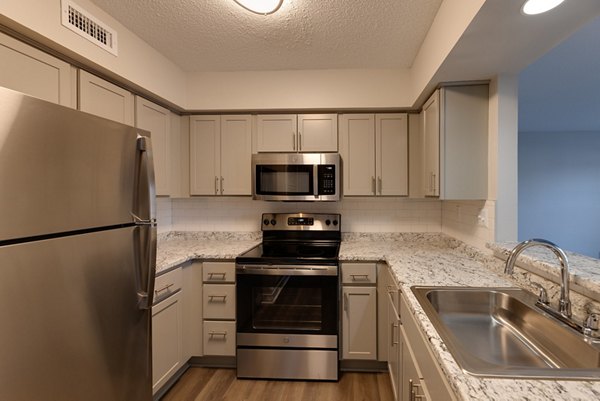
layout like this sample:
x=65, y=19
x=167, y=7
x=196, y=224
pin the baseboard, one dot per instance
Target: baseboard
x=363, y=366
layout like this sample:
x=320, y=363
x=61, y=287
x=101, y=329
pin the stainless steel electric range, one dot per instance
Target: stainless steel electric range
x=287, y=299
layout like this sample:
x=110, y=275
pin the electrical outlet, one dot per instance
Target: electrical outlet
x=482, y=218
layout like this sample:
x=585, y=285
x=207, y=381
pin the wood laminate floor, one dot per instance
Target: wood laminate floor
x=205, y=384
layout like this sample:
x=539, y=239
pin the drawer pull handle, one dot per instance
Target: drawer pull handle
x=165, y=288
x=221, y=297
x=357, y=277
x=217, y=333
x=211, y=276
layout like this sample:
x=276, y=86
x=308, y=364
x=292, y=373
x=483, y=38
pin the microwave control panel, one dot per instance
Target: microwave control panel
x=326, y=179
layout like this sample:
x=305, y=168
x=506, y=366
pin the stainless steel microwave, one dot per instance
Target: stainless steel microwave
x=296, y=176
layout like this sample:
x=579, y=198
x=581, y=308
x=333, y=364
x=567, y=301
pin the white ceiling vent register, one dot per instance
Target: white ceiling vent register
x=85, y=24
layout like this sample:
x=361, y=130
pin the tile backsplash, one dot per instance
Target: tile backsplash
x=358, y=214
x=458, y=219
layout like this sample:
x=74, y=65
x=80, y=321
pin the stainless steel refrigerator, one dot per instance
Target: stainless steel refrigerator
x=77, y=255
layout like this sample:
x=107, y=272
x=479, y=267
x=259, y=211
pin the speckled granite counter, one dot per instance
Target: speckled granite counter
x=416, y=259
x=179, y=247
x=438, y=260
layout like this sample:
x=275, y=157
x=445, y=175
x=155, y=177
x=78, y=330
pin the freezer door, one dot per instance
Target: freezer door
x=72, y=328
x=62, y=170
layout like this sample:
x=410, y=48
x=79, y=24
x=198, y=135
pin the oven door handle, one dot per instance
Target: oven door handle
x=288, y=270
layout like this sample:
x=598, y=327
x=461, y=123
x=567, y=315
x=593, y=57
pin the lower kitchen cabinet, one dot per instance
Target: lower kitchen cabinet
x=218, y=309
x=167, y=330
x=192, y=310
x=359, y=311
x=394, y=345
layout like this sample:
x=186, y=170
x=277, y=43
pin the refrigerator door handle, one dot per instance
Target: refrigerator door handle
x=144, y=216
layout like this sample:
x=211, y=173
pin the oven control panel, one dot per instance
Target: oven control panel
x=300, y=222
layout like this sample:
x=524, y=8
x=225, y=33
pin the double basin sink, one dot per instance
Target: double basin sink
x=499, y=332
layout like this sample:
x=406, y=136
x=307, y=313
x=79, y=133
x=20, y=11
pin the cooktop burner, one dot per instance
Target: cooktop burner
x=299, y=238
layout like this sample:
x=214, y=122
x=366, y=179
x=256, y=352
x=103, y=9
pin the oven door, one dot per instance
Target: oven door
x=287, y=301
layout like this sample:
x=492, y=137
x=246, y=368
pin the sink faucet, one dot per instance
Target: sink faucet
x=564, y=304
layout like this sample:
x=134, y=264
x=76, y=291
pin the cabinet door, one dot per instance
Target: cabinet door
x=192, y=310
x=205, y=133
x=394, y=347
x=33, y=72
x=219, y=338
x=413, y=385
x=431, y=145
x=236, y=152
x=101, y=98
x=391, y=132
x=359, y=322
x=357, y=148
x=157, y=120
x=166, y=340
x=276, y=133
x=317, y=133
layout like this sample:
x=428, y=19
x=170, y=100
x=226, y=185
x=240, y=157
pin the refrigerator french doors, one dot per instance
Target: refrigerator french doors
x=77, y=255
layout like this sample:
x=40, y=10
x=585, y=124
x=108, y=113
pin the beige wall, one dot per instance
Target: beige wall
x=301, y=89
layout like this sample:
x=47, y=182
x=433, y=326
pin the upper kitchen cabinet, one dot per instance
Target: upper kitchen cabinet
x=374, y=150
x=33, y=72
x=99, y=97
x=157, y=120
x=297, y=133
x=455, y=143
x=220, y=152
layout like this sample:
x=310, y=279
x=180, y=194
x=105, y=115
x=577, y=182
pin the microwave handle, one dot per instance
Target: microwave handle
x=316, y=180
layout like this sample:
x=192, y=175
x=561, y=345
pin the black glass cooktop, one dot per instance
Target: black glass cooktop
x=287, y=252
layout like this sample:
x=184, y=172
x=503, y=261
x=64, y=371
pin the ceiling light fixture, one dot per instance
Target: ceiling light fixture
x=264, y=7
x=532, y=7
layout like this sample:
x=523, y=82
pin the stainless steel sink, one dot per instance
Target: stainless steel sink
x=499, y=332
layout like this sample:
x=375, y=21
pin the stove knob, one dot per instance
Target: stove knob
x=266, y=222
x=327, y=222
x=273, y=221
x=335, y=222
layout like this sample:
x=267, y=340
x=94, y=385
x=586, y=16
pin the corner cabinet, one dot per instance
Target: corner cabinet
x=104, y=99
x=220, y=155
x=296, y=133
x=455, y=143
x=374, y=150
x=157, y=120
x=359, y=311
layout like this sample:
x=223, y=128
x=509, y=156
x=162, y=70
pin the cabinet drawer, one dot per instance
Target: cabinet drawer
x=218, y=272
x=166, y=285
x=359, y=273
x=219, y=338
x=219, y=301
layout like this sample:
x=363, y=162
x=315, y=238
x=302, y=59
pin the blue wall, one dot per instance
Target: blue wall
x=559, y=189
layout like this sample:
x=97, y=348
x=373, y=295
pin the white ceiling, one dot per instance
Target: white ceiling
x=219, y=35
x=561, y=90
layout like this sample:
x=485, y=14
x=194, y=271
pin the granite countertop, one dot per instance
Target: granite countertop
x=416, y=259
x=179, y=247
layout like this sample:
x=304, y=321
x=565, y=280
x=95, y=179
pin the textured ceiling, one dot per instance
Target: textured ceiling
x=219, y=35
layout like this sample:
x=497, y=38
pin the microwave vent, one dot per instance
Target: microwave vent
x=77, y=19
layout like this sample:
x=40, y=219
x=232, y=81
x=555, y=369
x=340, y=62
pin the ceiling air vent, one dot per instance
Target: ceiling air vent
x=85, y=24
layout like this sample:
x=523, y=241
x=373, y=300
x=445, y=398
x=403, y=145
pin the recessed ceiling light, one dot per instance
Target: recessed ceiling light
x=264, y=7
x=532, y=7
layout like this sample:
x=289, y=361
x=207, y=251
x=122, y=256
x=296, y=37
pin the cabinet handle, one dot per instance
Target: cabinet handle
x=212, y=275
x=365, y=277
x=433, y=183
x=394, y=327
x=380, y=184
x=222, y=179
x=293, y=140
x=165, y=288
x=221, y=297
x=373, y=186
x=346, y=302
x=216, y=185
x=217, y=333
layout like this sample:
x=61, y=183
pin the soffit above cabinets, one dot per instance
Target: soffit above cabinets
x=219, y=35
